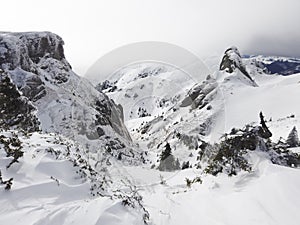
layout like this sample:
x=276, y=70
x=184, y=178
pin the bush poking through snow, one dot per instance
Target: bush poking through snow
x=134, y=200
x=162, y=180
x=190, y=182
x=12, y=147
x=7, y=183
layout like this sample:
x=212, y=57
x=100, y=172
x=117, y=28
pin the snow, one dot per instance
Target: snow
x=235, y=101
x=271, y=59
x=269, y=195
x=161, y=83
x=275, y=97
x=49, y=185
x=47, y=190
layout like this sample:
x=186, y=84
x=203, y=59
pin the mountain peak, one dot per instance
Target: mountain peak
x=232, y=60
x=25, y=48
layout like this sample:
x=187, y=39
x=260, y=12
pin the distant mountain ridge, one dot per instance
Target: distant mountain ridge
x=277, y=64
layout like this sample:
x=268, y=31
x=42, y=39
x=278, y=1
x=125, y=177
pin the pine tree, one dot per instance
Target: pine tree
x=293, y=140
x=166, y=153
x=167, y=160
x=177, y=164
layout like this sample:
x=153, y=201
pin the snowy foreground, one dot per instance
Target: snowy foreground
x=267, y=196
x=47, y=190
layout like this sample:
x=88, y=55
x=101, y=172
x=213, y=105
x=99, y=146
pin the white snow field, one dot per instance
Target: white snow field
x=270, y=195
x=49, y=190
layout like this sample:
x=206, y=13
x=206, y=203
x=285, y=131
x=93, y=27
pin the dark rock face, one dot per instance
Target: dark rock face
x=39, y=46
x=29, y=56
x=37, y=81
x=112, y=115
x=25, y=49
x=16, y=110
x=106, y=86
x=29, y=84
x=201, y=94
x=232, y=60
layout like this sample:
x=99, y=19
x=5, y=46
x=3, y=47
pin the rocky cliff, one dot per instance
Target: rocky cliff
x=64, y=103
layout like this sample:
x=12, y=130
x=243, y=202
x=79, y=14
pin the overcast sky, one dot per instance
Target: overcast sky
x=92, y=28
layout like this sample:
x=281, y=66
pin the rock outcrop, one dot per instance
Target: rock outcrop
x=201, y=94
x=64, y=102
x=16, y=111
x=232, y=60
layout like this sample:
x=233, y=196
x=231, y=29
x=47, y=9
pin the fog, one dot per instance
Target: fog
x=93, y=28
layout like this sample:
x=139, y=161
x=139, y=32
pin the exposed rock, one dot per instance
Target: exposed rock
x=24, y=50
x=111, y=114
x=190, y=141
x=232, y=60
x=106, y=86
x=201, y=94
x=64, y=102
x=29, y=56
x=29, y=84
x=16, y=111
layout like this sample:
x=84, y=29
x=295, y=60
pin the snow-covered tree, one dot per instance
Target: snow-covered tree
x=167, y=160
x=293, y=139
x=166, y=153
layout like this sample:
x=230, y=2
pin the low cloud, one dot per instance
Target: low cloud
x=205, y=27
x=287, y=45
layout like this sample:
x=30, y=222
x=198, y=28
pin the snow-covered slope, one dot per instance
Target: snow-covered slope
x=229, y=98
x=40, y=92
x=147, y=89
x=166, y=105
x=66, y=103
x=267, y=196
x=53, y=183
x=222, y=166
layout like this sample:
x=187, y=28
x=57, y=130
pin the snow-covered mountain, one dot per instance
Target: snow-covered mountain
x=165, y=105
x=150, y=146
x=186, y=121
x=65, y=103
x=45, y=110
